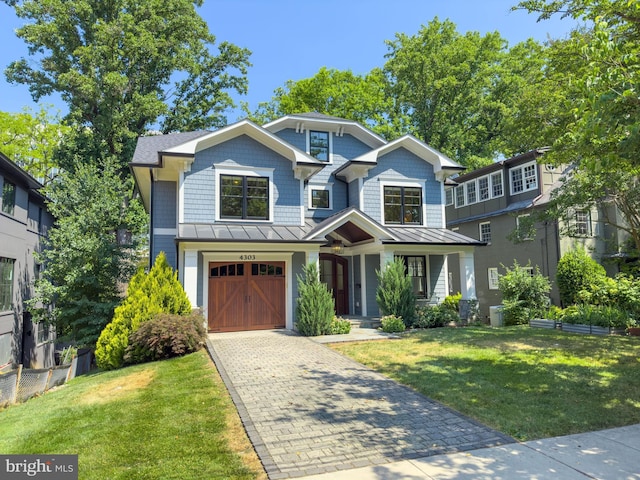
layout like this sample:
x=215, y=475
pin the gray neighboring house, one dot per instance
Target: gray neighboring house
x=24, y=221
x=240, y=211
x=488, y=203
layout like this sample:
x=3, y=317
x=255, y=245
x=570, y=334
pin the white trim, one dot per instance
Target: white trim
x=308, y=131
x=180, y=206
x=326, y=187
x=404, y=182
x=245, y=172
x=361, y=193
x=302, y=212
x=480, y=236
x=363, y=284
x=190, y=273
x=492, y=278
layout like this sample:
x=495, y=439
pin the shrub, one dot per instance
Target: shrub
x=340, y=326
x=453, y=302
x=597, y=315
x=314, y=307
x=524, y=296
x=434, y=316
x=159, y=291
x=166, y=336
x=395, y=293
x=392, y=324
x=577, y=271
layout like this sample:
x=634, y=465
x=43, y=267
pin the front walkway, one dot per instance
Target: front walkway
x=309, y=410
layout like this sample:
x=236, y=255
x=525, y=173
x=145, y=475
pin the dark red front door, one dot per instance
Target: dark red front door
x=333, y=272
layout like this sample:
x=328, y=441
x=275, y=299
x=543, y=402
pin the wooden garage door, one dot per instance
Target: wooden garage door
x=246, y=296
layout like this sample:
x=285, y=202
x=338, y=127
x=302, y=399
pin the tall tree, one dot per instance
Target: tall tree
x=445, y=82
x=340, y=93
x=30, y=140
x=115, y=63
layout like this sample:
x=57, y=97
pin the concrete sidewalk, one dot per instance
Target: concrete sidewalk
x=607, y=455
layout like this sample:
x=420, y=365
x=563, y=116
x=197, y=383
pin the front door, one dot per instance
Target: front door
x=333, y=272
x=246, y=296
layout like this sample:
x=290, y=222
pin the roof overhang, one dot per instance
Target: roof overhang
x=351, y=225
x=338, y=126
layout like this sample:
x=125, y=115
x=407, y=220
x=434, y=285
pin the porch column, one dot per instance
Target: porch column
x=191, y=276
x=314, y=257
x=363, y=285
x=467, y=284
x=385, y=257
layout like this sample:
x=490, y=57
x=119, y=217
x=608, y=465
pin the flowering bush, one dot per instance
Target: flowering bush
x=392, y=324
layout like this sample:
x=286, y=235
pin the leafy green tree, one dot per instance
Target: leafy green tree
x=149, y=294
x=445, y=82
x=123, y=65
x=339, y=93
x=394, y=295
x=84, y=259
x=315, y=308
x=30, y=140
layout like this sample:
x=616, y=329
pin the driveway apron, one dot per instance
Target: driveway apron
x=308, y=409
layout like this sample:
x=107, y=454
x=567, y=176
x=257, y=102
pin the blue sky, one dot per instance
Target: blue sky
x=291, y=40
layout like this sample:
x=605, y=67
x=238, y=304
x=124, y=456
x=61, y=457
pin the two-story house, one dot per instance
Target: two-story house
x=240, y=211
x=490, y=204
x=24, y=221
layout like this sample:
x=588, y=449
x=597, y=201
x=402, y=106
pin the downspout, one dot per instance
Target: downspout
x=151, y=220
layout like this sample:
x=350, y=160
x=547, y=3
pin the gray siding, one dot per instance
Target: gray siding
x=437, y=278
x=243, y=151
x=289, y=135
x=165, y=200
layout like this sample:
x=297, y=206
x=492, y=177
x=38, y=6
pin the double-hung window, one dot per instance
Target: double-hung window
x=460, y=196
x=8, y=197
x=319, y=145
x=6, y=283
x=496, y=185
x=471, y=192
x=483, y=188
x=244, y=197
x=485, y=232
x=416, y=269
x=524, y=178
x=582, y=223
x=402, y=205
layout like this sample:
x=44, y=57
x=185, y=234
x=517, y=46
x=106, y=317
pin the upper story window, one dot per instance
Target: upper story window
x=8, y=197
x=319, y=145
x=471, y=192
x=244, y=197
x=524, y=178
x=460, y=196
x=485, y=232
x=448, y=194
x=6, y=283
x=580, y=224
x=496, y=184
x=483, y=188
x=320, y=197
x=492, y=273
x=402, y=205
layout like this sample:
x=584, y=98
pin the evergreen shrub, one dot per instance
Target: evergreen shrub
x=395, y=293
x=577, y=272
x=314, y=306
x=159, y=291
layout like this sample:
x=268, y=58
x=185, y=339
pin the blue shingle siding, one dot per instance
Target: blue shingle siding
x=354, y=194
x=372, y=263
x=349, y=147
x=401, y=164
x=437, y=278
x=289, y=135
x=166, y=244
x=298, y=261
x=165, y=199
x=199, y=183
x=338, y=189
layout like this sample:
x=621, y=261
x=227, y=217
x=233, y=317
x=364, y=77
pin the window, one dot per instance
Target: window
x=483, y=188
x=403, y=205
x=8, y=197
x=6, y=283
x=448, y=195
x=416, y=271
x=320, y=197
x=243, y=197
x=582, y=223
x=471, y=192
x=496, y=184
x=319, y=145
x=43, y=332
x=485, y=232
x=492, y=273
x=524, y=178
x=460, y=196
x=525, y=227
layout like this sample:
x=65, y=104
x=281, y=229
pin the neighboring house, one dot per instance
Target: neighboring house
x=24, y=221
x=240, y=211
x=490, y=203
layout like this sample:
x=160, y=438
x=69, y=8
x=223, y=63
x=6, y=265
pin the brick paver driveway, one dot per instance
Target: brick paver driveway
x=309, y=410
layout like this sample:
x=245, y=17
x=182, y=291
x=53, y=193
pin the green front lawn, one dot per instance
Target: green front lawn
x=163, y=420
x=528, y=383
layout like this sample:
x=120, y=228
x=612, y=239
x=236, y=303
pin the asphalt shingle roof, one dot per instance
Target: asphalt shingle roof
x=147, y=149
